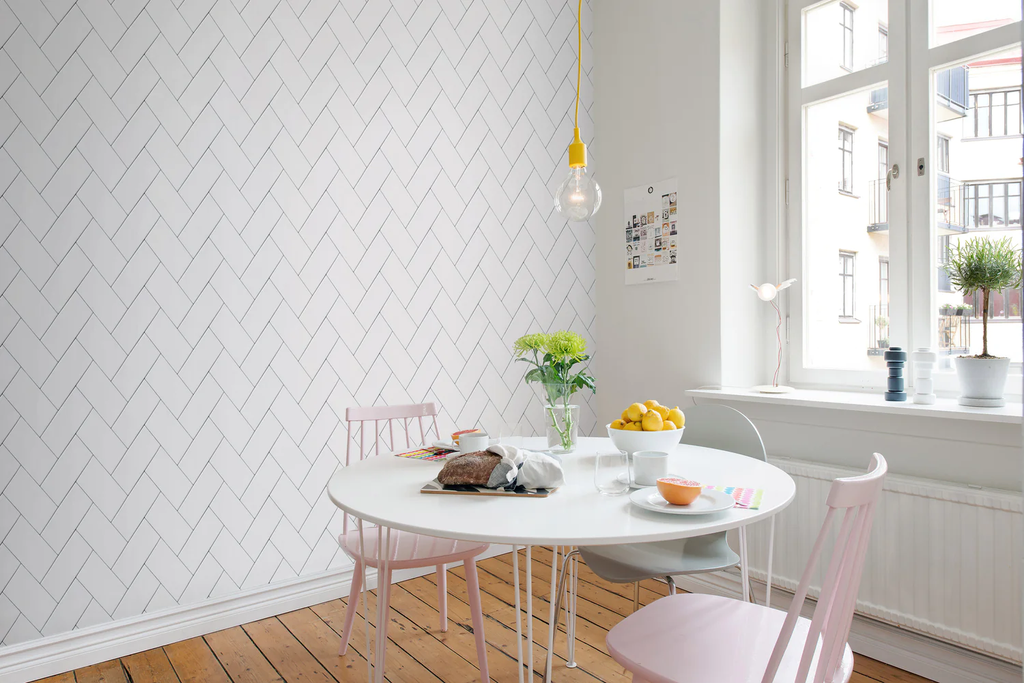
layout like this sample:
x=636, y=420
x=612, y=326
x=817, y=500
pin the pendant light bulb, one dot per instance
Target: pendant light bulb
x=579, y=196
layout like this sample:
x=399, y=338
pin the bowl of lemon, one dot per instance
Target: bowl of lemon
x=647, y=426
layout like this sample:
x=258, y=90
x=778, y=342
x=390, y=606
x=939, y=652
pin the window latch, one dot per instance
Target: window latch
x=892, y=173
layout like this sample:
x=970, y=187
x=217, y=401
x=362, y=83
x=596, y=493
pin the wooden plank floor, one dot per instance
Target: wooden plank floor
x=302, y=646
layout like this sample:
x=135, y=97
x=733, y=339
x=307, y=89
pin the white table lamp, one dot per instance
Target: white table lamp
x=768, y=292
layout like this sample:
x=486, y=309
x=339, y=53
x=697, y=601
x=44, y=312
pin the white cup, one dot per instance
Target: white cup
x=649, y=466
x=477, y=441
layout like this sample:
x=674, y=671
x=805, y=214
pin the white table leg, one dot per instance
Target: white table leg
x=744, y=567
x=519, y=614
x=366, y=611
x=383, y=596
x=570, y=611
x=383, y=552
x=529, y=612
x=771, y=550
x=551, y=613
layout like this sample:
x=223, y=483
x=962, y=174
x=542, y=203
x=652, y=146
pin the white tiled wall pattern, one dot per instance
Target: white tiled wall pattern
x=225, y=221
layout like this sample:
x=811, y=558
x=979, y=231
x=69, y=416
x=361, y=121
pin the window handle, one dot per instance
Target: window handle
x=892, y=173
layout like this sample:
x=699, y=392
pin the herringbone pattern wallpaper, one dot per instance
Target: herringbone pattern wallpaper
x=225, y=221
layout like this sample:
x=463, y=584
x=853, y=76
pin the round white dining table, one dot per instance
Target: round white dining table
x=385, y=490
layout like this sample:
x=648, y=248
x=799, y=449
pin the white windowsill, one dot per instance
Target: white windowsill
x=943, y=408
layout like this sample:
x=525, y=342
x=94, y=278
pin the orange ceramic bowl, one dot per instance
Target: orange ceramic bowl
x=679, y=491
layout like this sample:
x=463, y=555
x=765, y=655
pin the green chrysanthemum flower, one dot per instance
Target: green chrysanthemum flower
x=565, y=345
x=530, y=342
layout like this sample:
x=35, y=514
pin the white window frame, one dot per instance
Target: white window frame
x=1005, y=92
x=942, y=154
x=923, y=63
x=847, y=10
x=913, y=278
x=797, y=99
x=846, y=184
x=848, y=315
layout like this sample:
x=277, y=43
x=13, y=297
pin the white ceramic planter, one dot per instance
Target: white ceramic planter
x=982, y=381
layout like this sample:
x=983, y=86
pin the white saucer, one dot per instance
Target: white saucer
x=708, y=502
x=624, y=479
x=453, y=446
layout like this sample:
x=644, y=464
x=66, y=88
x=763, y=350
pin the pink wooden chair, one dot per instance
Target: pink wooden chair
x=698, y=638
x=407, y=550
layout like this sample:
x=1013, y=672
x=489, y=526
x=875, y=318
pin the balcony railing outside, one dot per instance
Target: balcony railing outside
x=879, y=100
x=954, y=330
x=952, y=89
x=878, y=329
x=950, y=205
x=878, y=206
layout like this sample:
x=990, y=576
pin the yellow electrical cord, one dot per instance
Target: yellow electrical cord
x=579, y=59
x=578, y=150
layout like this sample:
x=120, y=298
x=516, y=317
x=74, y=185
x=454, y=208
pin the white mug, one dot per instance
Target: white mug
x=649, y=466
x=476, y=441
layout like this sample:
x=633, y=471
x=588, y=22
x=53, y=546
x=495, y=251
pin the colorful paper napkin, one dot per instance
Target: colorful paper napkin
x=748, y=499
x=431, y=453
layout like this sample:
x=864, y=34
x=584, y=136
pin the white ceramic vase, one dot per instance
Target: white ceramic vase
x=982, y=381
x=924, y=386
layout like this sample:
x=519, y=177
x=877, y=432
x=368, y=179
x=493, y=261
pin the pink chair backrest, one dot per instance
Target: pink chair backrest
x=388, y=415
x=855, y=499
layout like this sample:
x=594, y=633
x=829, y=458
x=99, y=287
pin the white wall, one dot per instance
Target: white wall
x=657, y=117
x=746, y=202
x=219, y=229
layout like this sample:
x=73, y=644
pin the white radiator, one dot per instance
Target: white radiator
x=943, y=558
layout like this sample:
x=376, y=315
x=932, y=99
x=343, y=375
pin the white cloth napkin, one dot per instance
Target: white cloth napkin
x=528, y=469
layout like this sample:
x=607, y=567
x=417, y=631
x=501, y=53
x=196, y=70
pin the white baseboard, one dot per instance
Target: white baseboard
x=85, y=647
x=925, y=656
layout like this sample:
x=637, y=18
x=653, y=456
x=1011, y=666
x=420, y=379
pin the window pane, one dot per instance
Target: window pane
x=840, y=38
x=979, y=198
x=998, y=112
x=984, y=193
x=982, y=113
x=957, y=19
x=998, y=205
x=846, y=234
x=1013, y=122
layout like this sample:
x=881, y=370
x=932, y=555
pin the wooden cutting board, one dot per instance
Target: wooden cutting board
x=467, y=490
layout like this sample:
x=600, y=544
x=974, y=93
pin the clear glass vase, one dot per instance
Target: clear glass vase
x=561, y=417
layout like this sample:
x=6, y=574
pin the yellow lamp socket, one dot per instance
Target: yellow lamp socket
x=577, y=151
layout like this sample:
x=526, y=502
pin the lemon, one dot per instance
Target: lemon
x=625, y=415
x=636, y=412
x=632, y=427
x=618, y=424
x=652, y=421
x=677, y=417
x=661, y=410
x=651, y=404
x=668, y=426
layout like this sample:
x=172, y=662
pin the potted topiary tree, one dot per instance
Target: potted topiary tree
x=983, y=265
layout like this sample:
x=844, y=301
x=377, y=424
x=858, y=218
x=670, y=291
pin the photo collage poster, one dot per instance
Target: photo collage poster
x=652, y=236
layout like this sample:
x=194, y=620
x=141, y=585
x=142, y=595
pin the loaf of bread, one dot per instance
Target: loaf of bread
x=473, y=469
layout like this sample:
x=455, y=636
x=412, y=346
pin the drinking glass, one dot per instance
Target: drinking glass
x=611, y=473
